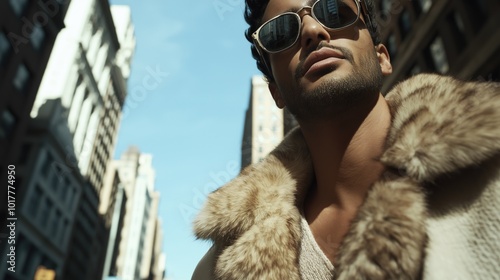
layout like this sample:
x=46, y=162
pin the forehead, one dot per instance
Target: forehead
x=276, y=7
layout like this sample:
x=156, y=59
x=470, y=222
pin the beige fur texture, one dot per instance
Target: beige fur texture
x=439, y=126
x=256, y=218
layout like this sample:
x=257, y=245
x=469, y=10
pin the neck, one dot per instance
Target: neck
x=344, y=152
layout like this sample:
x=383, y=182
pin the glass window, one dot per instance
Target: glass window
x=392, y=45
x=18, y=6
x=4, y=48
x=7, y=123
x=61, y=234
x=458, y=31
x=48, y=263
x=34, y=202
x=477, y=13
x=438, y=54
x=47, y=163
x=22, y=250
x=425, y=5
x=404, y=23
x=459, y=22
x=31, y=262
x=385, y=7
x=37, y=37
x=44, y=216
x=21, y=78
x=71, y=195
x=66, y=190
x=55, y=178
x=55, y=223
x=415, y=70
x=25, y=153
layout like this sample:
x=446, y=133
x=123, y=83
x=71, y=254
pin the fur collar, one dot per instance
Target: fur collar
x=439, y=126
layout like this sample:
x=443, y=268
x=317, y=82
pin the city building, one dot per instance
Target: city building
x=88, y=71
x=265, y=123
x=47, y=208
x=150, y=239
x=28, y=30
x=263, y=129
x=112, y=207
x=68, y=145
x=137, y=177
x=158, y=260
x=458, y=38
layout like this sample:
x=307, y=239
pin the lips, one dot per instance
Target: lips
x=321, y=58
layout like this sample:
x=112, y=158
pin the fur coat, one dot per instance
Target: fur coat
x=434, y=214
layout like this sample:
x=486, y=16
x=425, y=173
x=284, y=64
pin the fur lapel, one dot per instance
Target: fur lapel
x=439, y=125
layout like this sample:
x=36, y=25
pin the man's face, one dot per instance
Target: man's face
x=325, y=72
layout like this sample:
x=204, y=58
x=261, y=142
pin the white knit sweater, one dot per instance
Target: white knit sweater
x=314, y=265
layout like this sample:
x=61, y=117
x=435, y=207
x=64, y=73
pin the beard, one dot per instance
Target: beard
x=337, y=95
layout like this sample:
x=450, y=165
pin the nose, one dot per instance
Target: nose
x=312, y=33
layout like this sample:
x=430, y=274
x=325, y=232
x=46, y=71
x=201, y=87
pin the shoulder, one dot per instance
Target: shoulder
x=441, y=124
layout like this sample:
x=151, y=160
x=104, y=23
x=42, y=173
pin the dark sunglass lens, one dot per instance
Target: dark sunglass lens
x=279, y=33
x=336, y=13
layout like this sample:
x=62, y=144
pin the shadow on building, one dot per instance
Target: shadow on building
x=453, y=37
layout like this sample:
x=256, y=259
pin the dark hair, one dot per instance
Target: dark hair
x=254, y=11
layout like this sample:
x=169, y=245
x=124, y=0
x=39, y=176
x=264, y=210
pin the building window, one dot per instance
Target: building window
x=457, y=27
x=18, y=6
x=415, y=69
x=22, y=249
x=21, y=78
x=31, y=262
x=425, y=5
x=392, y=45
x=70, y=198
x=4, y=48
x=55, y=223
x=438, y=54
x=55, y=178
x=7, y=124
x=48, y=263
x=37, y=37
x=45, y=211
x=404, y=23
x=47, y=164
x=25, y=153
x=61, y=233
x=34, y=204
x=477, y=13
x=385, y=7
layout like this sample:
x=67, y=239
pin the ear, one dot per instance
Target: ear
x=384, y=59
x=276, y=93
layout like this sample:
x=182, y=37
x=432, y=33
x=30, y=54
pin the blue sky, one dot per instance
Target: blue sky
x=191, y=120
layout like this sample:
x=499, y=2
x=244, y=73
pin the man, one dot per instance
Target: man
x=402, y=187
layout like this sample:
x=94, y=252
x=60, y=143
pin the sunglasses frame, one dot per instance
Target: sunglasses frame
x=310, y=11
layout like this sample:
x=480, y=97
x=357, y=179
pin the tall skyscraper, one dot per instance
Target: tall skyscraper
x=264, y=124
x=70, y=139
x=112, y=207
x=28, y=30
x=135, y=251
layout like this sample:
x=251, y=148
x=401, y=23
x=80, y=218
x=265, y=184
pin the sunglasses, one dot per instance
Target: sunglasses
x=282, y=31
